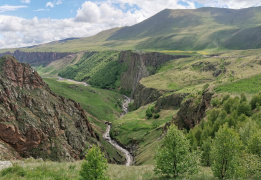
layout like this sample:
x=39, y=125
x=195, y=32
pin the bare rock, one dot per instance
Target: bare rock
x=5, y=164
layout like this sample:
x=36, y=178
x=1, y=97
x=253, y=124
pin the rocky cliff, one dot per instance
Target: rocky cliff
x=37, y=58
x=171, y=101
x=36, y=122
x=140, y=65
x=193, y=110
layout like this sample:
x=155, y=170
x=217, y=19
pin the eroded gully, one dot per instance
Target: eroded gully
x=106, y=135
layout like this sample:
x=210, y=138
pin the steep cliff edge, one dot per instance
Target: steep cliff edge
x=193, y=110
x=36, y=58
x=36, y=122
x=140, y=65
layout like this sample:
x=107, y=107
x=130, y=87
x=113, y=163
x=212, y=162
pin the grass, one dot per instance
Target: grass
x=134, y=130
x=102, y=104
x=45, y=170
x=191, y=74
x=250, y=85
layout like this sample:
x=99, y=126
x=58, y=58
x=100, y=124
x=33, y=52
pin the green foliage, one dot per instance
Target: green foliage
x=15, y=170
x=94, y=165
x=243, y=97
x=225, y=153
x=247, y=130
x=213, y=115
x=149, y=112
x=100, y=69
x=156, y=116
x=244, y=108
x=205, y=156
x=254, y=143
x=251, y=164
x=215, y=102
x=230, y=104
x=255, y=101
x=192, y=140
x=102, y=104
x=250, y=85
x=226, y=97
x=174, y=158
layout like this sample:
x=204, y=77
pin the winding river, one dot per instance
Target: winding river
x=106, y=135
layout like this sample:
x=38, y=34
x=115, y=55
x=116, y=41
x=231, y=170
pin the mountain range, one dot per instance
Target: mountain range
x=191, y=29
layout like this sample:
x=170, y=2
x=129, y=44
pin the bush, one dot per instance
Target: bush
x=149, y=112
x=175, y=158
x=215, y=102
x=244, y=108
x=255, y=101
x=94, y=166
x=156, y=116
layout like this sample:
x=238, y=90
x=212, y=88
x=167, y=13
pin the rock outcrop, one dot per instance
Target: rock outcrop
x=140, y=65
x=36, y=58
x=193, y=110
x=144, y=95
x=36, y=122
x=171, y=101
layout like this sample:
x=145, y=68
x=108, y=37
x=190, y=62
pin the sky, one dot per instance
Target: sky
x=31, y=22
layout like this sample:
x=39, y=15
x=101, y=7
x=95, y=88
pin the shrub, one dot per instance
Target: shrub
x=255, y=101
x=94, y=165
x=215, y=102
x=244, y=108
x=174, y=158
x=149, y=112
x=156, y=116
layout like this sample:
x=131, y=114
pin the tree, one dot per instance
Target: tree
x=94, y=165
x=174, y=158
x=225, y=153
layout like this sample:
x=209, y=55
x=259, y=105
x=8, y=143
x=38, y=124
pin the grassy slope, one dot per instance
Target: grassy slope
x=134, y=128
x=57, y=66
x=187, y=75
x=37, y=169
x=102, y=104
x=199, y=29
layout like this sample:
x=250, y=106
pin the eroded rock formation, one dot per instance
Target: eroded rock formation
x=36, y=122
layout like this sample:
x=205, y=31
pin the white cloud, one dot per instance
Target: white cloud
x=49, y=4
x=91, y=18
x=233, y=4
x=58, y=2
x=52, y=4
x=42, y=9
x=25, y=1
x=5, y=8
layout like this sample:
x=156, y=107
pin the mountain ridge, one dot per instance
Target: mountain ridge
x=189, y=29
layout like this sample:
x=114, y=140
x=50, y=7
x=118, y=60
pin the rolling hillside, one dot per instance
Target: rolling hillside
x=194, y=29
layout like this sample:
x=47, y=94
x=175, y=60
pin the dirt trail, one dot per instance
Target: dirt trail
x=72, y=81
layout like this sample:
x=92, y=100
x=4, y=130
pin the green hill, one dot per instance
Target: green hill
x=193, y=29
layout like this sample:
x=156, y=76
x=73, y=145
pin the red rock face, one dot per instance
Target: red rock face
x=36, y=122
x=21, y=75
